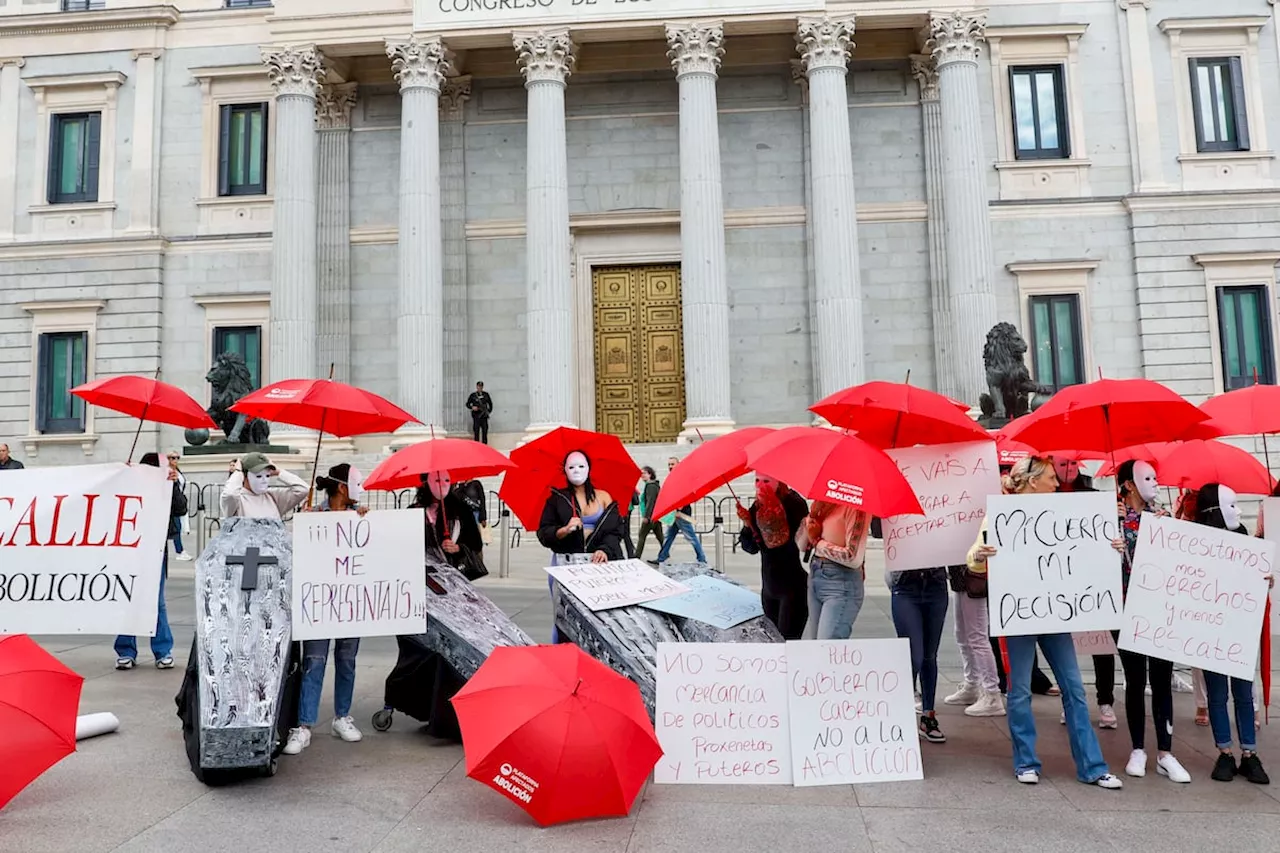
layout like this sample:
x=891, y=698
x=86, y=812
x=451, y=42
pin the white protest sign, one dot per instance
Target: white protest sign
x=82, y=548
x=952, y=482
x=853, y=715
x=358, y=576
x=617, y=583
x=1197, y=595
x=1055, y=571
x=1094, y=643
x=722, y=714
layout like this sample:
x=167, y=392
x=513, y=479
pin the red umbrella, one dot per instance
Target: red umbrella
x=894, y=414
x=1149, y=453
x=39, y=699
x=823, y=464
x=540, y=467
x=556, y=731
x=463, y=458
x=146, y=399
x=711, y=465
x=325, y=406
x=1195, y=464
x=1247, y=411
x=1108, y=414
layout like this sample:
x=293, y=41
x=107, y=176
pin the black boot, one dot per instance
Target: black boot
x=1225, y=768
x=1251, y=769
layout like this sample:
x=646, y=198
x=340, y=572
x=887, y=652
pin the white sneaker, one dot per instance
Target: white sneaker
x=919, y=704
x=184, y=558
x=1108, y=781
x=966, y=695
x=1062, y=718
x=1137, y=765
x=1106, y=717
x=988, y=705
x=1167, y=765
x=345, y=728
x=1029, y=777
x=299, y=739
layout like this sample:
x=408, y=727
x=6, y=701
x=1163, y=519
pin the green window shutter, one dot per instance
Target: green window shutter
x=1238, y=101
x=224, y=150
x=92, y=147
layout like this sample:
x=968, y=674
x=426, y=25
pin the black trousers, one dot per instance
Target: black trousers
x=480, y=429
x=1136, y=670
x=787, y=609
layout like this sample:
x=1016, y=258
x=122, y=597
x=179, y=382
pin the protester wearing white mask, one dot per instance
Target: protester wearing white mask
x=1136, y=481
x=579, y=520
x=248, y=492
x=452, y=533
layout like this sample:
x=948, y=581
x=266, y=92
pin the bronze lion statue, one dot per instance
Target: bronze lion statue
x=230, y=379
x=1008, y=379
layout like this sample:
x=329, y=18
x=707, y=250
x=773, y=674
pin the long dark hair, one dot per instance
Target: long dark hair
x=1124, y=474
x=588, y=490
x=339, y=476
x=1209, y=507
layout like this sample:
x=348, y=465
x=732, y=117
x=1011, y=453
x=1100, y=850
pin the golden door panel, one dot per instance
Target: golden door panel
x=639, y=353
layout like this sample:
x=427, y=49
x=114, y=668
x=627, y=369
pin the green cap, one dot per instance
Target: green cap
x=254, y=463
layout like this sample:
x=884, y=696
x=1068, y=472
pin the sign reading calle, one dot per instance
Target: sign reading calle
x=434, y=16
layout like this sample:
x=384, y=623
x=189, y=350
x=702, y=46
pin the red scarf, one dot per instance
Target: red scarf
x=771, y=519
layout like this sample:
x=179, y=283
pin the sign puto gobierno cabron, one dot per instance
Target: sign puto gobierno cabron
x=81, y=549
x=444, y=15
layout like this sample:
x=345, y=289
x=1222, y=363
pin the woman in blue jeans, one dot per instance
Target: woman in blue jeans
x=837, y=536
x=126, y=647
x=1035, y=475
x=342, y=491
x=919, y=607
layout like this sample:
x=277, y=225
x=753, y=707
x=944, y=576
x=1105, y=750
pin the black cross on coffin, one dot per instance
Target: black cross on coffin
x=251, y=560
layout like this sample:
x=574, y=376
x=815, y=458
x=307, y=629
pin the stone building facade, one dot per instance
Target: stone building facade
x=658, y=218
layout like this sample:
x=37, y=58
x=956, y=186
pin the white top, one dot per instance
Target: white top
x=239, y=502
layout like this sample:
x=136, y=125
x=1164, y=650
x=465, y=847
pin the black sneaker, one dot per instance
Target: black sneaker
x=1251, y=769
x=929, y=729
x=1224, y=770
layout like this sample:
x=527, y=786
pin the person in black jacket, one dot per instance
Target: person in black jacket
x=769, y=529
x=452, y=534
x=480, y=404
x=578, y=519
x=162, y=643
x=473, y=495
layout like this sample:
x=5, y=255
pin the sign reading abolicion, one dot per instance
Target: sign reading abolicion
x=434, y=16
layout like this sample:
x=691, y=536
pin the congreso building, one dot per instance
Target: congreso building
x=655, y=218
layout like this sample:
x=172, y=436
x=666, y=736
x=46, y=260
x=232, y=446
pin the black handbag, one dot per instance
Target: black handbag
x=471, y=564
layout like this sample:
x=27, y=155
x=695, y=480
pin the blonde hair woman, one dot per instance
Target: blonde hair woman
x=1035, y=475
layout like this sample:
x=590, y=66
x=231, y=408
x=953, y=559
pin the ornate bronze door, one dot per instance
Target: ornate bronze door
x=639, y=353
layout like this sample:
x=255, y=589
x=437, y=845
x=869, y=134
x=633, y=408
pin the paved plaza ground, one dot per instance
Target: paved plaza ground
x=403, y=791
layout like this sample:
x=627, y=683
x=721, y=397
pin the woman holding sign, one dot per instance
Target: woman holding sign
x=579, y=519
x=1138, y=490
x=1036, y=475
x=1215, y=506
x=342, y=492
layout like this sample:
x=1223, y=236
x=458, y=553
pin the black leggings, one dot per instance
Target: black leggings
x=788, y=611
x=1136, y=670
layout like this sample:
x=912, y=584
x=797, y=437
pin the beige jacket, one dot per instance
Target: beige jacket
x=239, y=502
x=977, y=566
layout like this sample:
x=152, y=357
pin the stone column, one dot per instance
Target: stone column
x=458, y=380
x=143, y=216
x=296, y=74
x=10, y=98
x=546, y=60
x=926, y=74
x=1149, y=172
x=695, y=51
x=333, y=237
x=824, y=45
x=955, y=43
x=420, y=66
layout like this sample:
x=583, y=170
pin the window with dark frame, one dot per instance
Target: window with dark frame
x=83, y=5
x=61, y=364
x=242, y=149
x=75, y=143
x=1218, y=104
x=1038, y=96
x=1244, y=332
x=1057, y=340
x=245, y=341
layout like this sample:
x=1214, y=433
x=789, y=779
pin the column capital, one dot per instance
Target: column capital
x=824, y=42
x=145, y=53
x=925, y=70
x=956, y=37
x=294, y=70
x=12, y=61
x=1126, y=5
x=333, y=106
x=419, y=63
x=801, y=79
x=695, y=47
x=454, y=96
x=544, y=56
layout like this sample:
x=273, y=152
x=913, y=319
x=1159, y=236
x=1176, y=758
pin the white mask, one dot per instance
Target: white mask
x=355, y=488
x=1230, y=509
x=258, y=483
x=439, y=483
x=1144, y=478
x=576, y=468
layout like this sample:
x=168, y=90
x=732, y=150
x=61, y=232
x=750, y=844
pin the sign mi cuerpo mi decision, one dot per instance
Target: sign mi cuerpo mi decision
x=434, y=16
